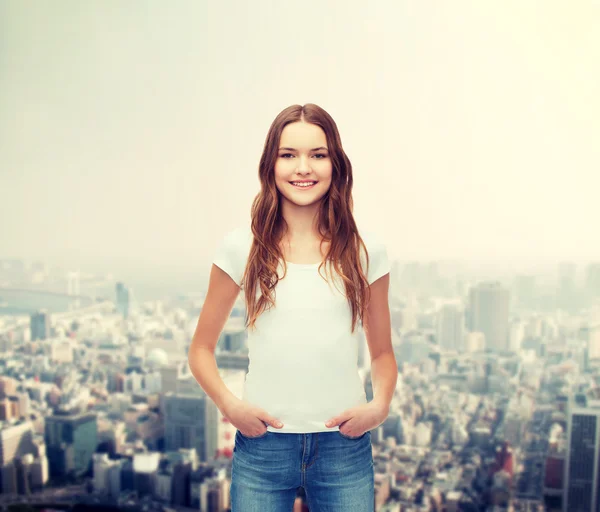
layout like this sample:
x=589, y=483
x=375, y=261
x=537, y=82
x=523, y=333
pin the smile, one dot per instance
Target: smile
x=300, y=185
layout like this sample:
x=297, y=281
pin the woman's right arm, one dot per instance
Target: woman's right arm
x=220, y=298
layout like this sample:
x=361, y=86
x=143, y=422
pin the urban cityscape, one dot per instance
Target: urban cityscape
x=135, y=134
x=497, y=406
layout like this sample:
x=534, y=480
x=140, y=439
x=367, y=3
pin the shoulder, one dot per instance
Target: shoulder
x=232, y=251
x=379, y=263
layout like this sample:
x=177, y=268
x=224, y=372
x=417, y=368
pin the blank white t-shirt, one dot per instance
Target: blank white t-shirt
x=302, y=356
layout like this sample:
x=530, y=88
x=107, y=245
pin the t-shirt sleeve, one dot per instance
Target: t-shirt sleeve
x=379, y=263
x=228, y=256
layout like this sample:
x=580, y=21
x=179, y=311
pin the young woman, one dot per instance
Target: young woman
x=308, y=278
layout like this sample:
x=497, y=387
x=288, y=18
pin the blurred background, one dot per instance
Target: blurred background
x=130, y=135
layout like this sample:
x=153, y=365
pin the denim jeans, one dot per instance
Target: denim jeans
x=336, y=472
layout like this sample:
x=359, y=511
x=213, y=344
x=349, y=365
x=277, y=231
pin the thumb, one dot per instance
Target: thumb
x=336, y=420
x=272, y=421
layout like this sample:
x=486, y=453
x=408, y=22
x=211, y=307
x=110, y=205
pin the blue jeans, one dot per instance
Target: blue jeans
x=336, y=472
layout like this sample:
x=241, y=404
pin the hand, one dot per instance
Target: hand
x=247, y=418
x=357, y=420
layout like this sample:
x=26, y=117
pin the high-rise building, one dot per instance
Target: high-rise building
x=593, y=343
x=73, y=288
x=168, y=377
x=16, y=440
x=449, y=327
x=582, y=461
x=592, y=279
x=71, y=440
x=40, y=325
x=488, y=313
x=123, y=299
x=185, y=422
x=145, y=467
x=566, y=291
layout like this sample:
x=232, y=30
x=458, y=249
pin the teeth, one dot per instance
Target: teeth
x=308, y=184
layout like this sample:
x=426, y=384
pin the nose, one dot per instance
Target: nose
x=303, y=166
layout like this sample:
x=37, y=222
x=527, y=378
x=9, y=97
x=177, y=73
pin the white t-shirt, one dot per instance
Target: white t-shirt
x=303, y=357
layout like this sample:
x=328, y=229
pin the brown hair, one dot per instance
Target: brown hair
x=335, y=221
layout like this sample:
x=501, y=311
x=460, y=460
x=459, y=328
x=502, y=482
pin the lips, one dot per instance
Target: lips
x=303, y=186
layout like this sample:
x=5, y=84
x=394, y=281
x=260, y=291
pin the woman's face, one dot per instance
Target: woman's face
x=303, y=155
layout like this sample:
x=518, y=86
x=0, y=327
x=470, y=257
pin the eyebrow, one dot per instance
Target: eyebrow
x=292, y=149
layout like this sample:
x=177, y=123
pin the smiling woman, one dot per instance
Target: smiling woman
x=302, y=335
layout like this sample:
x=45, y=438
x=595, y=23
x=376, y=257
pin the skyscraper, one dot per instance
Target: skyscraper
x=449, y=328
x=123, y=299
x=185, y=422
x=73, y=281
x=40, y=325
x=488, y=313
x=582, y=462
x=71, y=440
x=593, y=343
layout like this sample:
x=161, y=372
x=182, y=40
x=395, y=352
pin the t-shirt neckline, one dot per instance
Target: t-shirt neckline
x=302, y=265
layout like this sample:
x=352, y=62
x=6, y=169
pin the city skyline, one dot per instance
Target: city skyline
x=130, y=137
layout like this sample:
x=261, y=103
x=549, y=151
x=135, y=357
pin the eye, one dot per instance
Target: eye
x=321, y=155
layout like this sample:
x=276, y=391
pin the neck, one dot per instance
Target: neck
x=302, y=221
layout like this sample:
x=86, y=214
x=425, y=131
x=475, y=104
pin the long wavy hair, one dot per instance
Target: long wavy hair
x=335, y=222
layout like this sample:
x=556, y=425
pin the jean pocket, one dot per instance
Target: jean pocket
x=253, y=437
x=351, y=437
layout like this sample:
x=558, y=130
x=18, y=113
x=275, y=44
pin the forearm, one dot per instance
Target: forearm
x=384, y=375
x=203, y=366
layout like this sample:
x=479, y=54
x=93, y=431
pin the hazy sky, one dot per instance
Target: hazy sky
x=130, y=132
